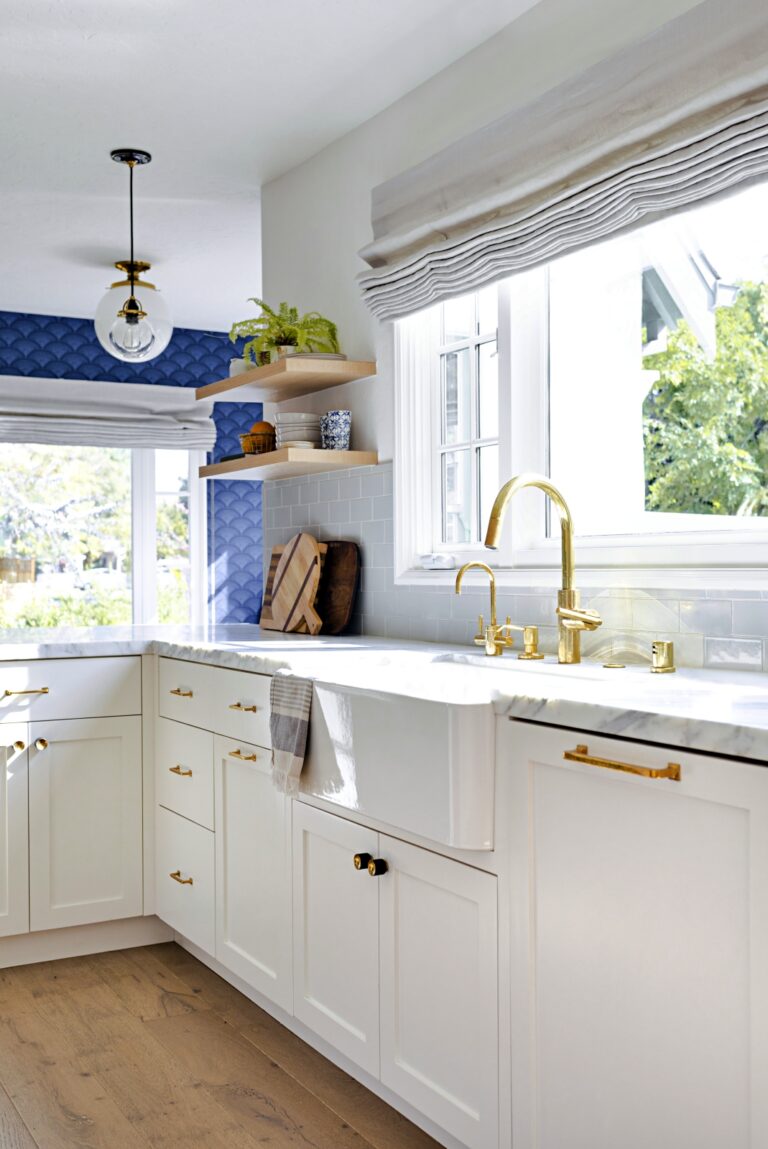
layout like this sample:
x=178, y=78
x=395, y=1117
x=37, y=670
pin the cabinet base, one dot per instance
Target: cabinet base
x=78, y=941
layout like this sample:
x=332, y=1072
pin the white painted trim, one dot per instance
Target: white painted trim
x=144, y=535
x=79, y=941
x=640, y=578
x=198, y=539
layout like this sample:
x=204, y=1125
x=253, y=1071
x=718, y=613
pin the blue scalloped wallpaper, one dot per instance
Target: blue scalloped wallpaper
x=61, y=348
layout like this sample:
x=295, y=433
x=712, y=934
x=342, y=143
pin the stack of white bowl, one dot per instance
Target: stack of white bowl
x=297, y=429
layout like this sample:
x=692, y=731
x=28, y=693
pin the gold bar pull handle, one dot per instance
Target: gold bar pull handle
x=176, y=875
x=12, y=693
x=181, y=693
x=245, y=709
x=181, y=773
x=242, y=757
x=581, y=754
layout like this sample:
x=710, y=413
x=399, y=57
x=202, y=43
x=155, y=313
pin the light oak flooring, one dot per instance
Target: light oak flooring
x=148, y=1047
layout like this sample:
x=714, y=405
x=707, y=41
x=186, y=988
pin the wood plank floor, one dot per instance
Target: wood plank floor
x=147, y=1047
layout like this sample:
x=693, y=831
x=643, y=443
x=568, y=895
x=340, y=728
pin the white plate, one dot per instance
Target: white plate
x=299, y=443
x=296, y=417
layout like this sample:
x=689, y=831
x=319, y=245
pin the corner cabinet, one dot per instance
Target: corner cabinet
x=639, y=958
x=399, y=971
x=71, y=835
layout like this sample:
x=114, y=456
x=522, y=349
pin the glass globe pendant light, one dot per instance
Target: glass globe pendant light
x=132, y=327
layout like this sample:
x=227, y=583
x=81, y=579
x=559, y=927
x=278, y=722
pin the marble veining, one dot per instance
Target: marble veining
x=723, y=712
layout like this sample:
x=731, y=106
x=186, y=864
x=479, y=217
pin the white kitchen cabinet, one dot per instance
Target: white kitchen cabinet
x=14, y=839
x=184, y=771
x=253, y=870
x=85, y=821
x=439, y=993
x=49, y=689
x=336, y=934
x=185, y=882
x=639, y=1003
x=399, y=971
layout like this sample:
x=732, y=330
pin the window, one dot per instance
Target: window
x=634, y=373
x=468, y=451
x=94, y=536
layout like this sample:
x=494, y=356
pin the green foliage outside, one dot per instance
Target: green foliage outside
x=70, y=510
x=704, y=421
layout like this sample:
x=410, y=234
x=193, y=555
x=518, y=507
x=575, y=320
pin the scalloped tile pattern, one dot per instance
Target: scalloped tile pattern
x=53, y=347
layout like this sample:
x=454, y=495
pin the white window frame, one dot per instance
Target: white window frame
x=693, y=558
x=144, y=536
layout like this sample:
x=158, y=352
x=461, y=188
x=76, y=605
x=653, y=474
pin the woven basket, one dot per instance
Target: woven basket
x=259, y=443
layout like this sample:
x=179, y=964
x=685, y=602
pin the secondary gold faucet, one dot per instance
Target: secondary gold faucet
x=493, y=637
x=572, y=618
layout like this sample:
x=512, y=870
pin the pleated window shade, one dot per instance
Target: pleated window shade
x=91, y=414
x=680, y=117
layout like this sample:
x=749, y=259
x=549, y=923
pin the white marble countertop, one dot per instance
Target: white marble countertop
x=723, y=712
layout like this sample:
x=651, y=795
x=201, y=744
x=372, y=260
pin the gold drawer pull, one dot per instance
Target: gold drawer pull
x=581, y=754
x=245, y=709
x=42, y=690
x=181, y=693
x=243, y=757
x=176, y=875
x=181, y=773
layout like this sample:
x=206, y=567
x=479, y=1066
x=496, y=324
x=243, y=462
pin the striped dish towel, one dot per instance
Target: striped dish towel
x=290, y=699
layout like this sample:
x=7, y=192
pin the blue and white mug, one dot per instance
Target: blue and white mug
x=335, y=427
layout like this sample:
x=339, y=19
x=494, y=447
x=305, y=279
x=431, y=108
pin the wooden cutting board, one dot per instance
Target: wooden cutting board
x=339, y=579
x=294, y=590
x=338, y=586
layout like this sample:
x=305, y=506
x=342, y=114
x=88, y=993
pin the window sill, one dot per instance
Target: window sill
x=723, y=579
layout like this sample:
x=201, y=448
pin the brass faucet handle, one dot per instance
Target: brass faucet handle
x=479, y=639
x=579, y=618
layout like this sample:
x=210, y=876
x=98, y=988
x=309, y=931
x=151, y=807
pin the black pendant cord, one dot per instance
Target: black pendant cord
x=130, y=186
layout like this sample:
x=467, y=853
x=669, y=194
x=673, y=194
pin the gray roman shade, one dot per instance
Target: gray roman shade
x=91, y=414
x=677, y=118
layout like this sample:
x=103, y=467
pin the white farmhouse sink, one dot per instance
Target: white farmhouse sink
x=422, y=765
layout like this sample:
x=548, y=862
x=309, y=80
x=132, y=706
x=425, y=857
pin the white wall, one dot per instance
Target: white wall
x=316, y=217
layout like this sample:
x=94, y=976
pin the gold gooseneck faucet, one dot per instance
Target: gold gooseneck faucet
x=496, y=639
x=571, y=616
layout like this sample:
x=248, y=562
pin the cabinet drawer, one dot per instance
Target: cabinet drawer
x=234, y=703
x=184, y=771
x=53, y=688
x=184, y=896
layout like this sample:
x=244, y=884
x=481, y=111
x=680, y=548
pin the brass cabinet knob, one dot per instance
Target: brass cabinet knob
x=362, y=861
x=377, y=867
x=41, y=744
x=19, y=746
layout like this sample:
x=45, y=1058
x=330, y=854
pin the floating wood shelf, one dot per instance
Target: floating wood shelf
x=287, y=463
x=287, y=378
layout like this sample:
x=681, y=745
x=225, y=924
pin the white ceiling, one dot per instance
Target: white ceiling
x=226, y=96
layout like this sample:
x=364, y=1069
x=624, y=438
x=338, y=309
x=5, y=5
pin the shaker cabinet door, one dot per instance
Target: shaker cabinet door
x=336, y=934
x=640, y=1012
x=14, y=848
x=253, y=871
x=439, y=992
x=85, y=821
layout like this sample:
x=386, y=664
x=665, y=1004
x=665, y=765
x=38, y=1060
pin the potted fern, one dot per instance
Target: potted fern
x=275, y=334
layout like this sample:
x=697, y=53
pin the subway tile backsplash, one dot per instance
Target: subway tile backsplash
x=709, y=627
